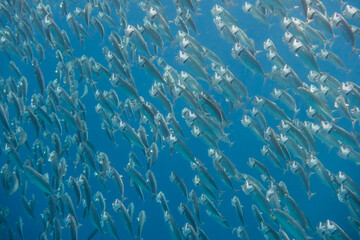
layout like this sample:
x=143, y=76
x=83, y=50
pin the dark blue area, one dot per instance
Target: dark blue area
x=322, y=206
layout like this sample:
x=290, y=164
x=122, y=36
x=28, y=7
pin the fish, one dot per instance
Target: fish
x=118, y=206
x=296, y=168
x=290, y=224
x=141, y=219
x=134, y=35
x=235, y=202
x=345, y=29
x=241, y=53
x=176, y=179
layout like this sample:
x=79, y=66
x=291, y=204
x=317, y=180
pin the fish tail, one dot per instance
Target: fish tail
x=310, y=195
x=354, y=50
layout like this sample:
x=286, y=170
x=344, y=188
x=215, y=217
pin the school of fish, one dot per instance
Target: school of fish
x=46, y=130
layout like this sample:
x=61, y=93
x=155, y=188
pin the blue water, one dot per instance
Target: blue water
x=322, y=206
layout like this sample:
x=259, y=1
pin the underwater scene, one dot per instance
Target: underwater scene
x=180, y=119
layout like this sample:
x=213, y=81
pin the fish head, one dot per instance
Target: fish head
x=240, y=231
x=185, y=43
x=169, y=118
x=100, y=157
x=313, y=89
x=246, y=7
x=342, y=192
x=180, y=35
x=287, y=38
x=286, y=71
x=217, y=10
x=247, y=187
x=69, y=17
x=237, y=50
x=283, y=138
x=171, y=139
x=296, y=45
x=234, y=29
x=153, y=91
x=196, y=179
x=276, y=93
x=271, y=55
x=211, y=152
x=282, y=187
x=104, y=217
x=294, y=167
x=159, y=196
x=269, y=44
x=186, y=230
x=81, y=179
x=109, y=56
x=297, y=22
x=350, y=11
x=341, y=177
x=167, y=216
x=48, y=21
x=314, y=128
x=182, y=57
x=116, y=205
x=195, y=131
x=285, y=23
x=251, y=162
x=191, y=117
x=158, y=117
x=270, y=193
x=337, y=19
x=129, y=30
x=179, y=11
x=68, y=220
x=97, y=94
x=268, y=132
x=323, y=54
x=326, y=90
x=258, y=101
x=355, y=111
x=217, y=156
x=321, y=228
x=116, y=120
x=172, y=176
x=346, y=88
x=203, y=199
x=312, y=161
x=284, y=126
x=311, y=112
x=122, y=125
x=330, y=227
x=223, y=70
x=184, y=76
x=246, y=121
x=220, y=24
x=326, y=126
x=185, y=113
x=215, y=67
x=311, y=12
x=140, y=61
x=140, y=28
x=181, y=208
x=217, y=78
x=53, y=157
x=233, y=201
x=264, y=150
x=355, y=30
x=151, y=13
